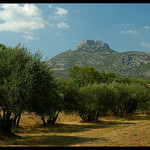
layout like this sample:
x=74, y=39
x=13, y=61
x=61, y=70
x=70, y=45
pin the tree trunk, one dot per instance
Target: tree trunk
x=97, y=115
x=43, y=119
x=19, y=116
x=53, y=118
x=4, y=112
x=5, y=126
x=116, y=112
x=15, y=118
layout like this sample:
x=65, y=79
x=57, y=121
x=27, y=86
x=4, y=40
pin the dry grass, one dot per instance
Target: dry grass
x=70, y=131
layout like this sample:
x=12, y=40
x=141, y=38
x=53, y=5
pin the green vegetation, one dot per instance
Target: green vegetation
x=91, y=94
x=131, y=63
x=88, y=75
x=27, y=84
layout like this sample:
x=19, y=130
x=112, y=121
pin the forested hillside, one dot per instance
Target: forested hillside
x=102, y=57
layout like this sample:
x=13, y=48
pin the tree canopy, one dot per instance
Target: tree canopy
x=26, y=84
x=89, y=75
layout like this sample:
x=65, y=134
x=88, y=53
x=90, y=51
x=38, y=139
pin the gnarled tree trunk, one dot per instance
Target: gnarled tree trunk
x=53, y=118
x=5, y=125
x=43, y=119
x=16, y=119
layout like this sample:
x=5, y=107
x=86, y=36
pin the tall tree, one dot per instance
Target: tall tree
x=14, y=83
x=26, y=84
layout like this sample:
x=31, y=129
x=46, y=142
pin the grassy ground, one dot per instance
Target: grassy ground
x=69, y=130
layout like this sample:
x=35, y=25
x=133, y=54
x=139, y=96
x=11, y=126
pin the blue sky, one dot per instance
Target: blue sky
x=53, y=28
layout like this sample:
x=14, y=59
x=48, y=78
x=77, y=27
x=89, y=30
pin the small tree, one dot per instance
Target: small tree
x=88, y=103
x=130, y=98
x=95, y=100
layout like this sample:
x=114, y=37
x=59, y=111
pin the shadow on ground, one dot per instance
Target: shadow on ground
x=61, y=140
x=138, y=118
x=69, y=128
x=56, y=140
x=66, y=128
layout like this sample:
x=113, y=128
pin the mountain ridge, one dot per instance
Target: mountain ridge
x=102, y=57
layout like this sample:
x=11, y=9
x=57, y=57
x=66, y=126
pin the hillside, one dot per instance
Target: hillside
x=102, y=57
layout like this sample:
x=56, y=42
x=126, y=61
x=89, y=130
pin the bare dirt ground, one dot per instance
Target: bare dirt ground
x=69, y=130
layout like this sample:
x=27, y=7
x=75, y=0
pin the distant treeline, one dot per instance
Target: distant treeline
x=27, y=84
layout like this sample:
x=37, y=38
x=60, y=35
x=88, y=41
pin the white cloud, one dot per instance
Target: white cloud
x=50, y=6
x=61, y=11
x=147, y=27
x=147, y=45
x=24, y=19
x=128, y=32
x=29, y=37
x=59, y=14
x=62, y=25
x=59, y=17
x=27, y=18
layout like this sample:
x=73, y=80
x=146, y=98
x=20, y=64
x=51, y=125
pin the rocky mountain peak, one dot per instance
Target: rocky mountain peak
x=91, y=44
x=99, y=55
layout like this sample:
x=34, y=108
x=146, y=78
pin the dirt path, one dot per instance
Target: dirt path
x=107, y=132
x=136, y=134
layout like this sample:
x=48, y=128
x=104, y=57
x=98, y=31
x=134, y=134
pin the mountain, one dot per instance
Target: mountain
x=102, y=57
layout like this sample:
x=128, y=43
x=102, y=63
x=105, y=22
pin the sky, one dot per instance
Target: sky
x=53, y=28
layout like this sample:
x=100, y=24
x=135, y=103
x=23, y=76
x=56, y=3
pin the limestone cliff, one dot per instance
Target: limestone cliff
x=91, y=44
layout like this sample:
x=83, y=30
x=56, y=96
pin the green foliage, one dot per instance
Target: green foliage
x=91, y=93
x=69, y=91
x=85, y=74
x=94, y=100
x=15, y=79
x=15, y=83
x=107, y=77
x=26, y=83
x=131, y=80
x=89, y=75
x=45, y=99
x=89, y=102
x=130, y=98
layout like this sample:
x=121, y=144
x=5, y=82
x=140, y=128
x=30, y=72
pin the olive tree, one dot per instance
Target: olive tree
x=26, y=84
x=15, y=84
x=44, y=100
x=95, y=100
x=130, y=98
